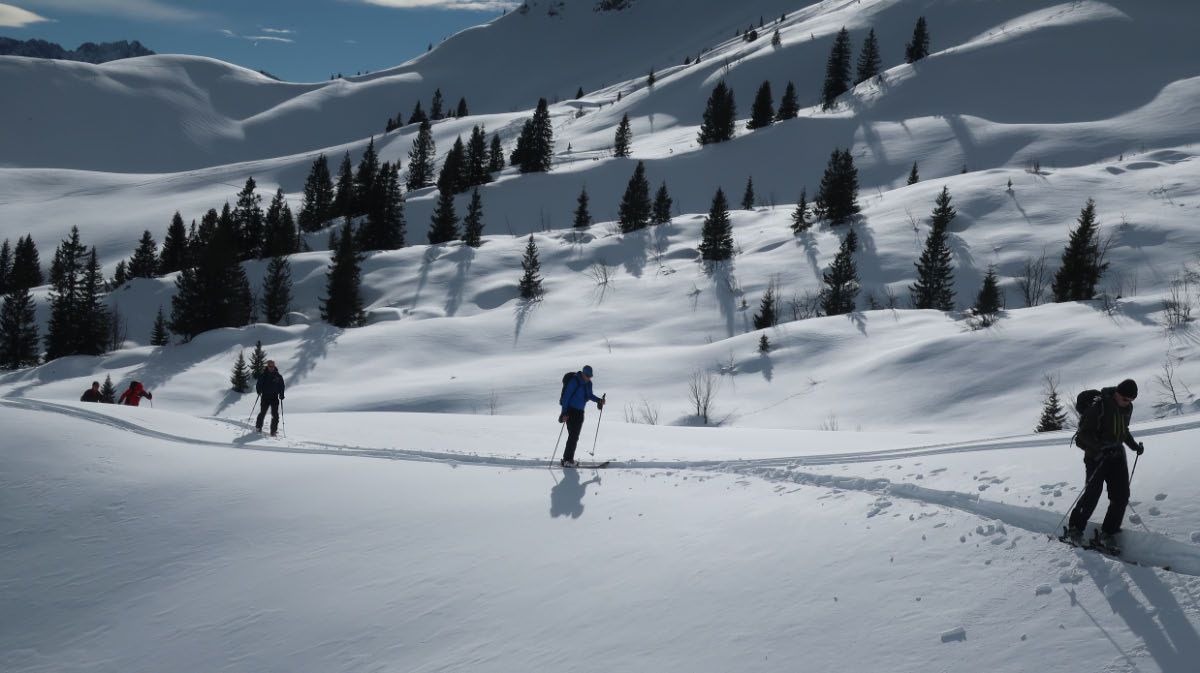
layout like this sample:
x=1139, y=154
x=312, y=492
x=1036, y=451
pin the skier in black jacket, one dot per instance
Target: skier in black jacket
x=1103, y=428
x=92, y=394
x=270, y=389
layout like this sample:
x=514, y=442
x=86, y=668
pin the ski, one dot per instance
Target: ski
x=1098, y=545
x=587, y=466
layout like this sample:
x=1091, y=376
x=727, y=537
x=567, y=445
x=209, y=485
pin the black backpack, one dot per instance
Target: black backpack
x=1084, y=401
x=562, y=395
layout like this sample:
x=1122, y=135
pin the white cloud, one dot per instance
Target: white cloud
x=466, y=5
x=130, y=9
x=15, y=17
x=256, y=38
x=279, y=31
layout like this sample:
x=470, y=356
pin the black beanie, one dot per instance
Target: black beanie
x=1127, y=389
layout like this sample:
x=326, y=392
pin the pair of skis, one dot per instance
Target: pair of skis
x=1104, y=545
x=584, y=466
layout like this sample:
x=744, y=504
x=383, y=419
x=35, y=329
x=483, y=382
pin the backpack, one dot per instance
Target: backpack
x=1084, y=401
x=562, y=396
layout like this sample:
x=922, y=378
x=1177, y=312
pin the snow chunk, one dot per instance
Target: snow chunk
x=958, y=633
x=1042, y=590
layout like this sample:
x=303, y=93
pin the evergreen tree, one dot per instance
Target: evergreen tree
x=93, y=316
x=418, y=115
x=26, y=269
x=215, y=292
x=841, y=280
x=420, y=159
x=1082, y=261
x=623, y=138
x=788, y=106
x=776, y=39
x=868, y=59
x=364, y=179
x=918, y=48
x=837, y=199
x=651, y=79
x=18, y=330
x=837, y=71
x=66, y=272
x=535, y=147
x=720, y=113
x=279, y=228
x=258, y=360
x=144, y=262
x=579, y=93
x=662, y=205
x=435, y=106
x=473, y=222
x=120, y=275
x=800, y=221
x=108, y=392
x=477, y=172
x=240, y=379
x=6, y=261
x=277, y=290
x=988, y=303
x=762, y=112
x=716, y=236
x=496, y=155
x=317, y=206
x=1054, y=417
x=343, y=196
x=635, y=209
x=583, y=218
x=248, y=216
x=443, y=225
x=531, y=282
x=342, y=305
x=517, y=156
x=767, y=315
x=748, y=195
x=461, y=111
x=913, y=176
x=453, y=178
x=174, y=254
x=935, y=274
x=384, y=228
x=209, y=224
x=160, y=336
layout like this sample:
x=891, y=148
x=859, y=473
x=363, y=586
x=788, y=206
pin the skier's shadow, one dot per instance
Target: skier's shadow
x=566, y=498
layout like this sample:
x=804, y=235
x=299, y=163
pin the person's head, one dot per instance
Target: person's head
x=587, y=372
x=1125, y=393
x=95, y=385
x=271, y=365
x=134, y=385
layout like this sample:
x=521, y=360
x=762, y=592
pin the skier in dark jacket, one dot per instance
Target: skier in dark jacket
x=1103, y=428
x=576, y=393
x=270, y=388
x=134, y=394
x=92, y=394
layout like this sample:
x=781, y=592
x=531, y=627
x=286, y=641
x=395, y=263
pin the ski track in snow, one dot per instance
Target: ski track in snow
x=1143, y=547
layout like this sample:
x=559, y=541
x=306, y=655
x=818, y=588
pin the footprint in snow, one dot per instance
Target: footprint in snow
x=1042, y=590
x=1154, y=511
x=1196, y=536
x=1160, y=497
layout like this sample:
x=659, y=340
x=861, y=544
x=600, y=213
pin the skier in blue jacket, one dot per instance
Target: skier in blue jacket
x=576, y=393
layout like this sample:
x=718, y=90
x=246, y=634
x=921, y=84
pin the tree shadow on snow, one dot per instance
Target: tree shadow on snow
x=231, y=397
x=725, y=290
x=523, y=310
x=806, y=240
x=431, y=255
x=463, y=257
x=313, y=347
x=566, y=497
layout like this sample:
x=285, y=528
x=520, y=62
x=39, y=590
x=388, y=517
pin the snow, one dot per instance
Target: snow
x=871, y=498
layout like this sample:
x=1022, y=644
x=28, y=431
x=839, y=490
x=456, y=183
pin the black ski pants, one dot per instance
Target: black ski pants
x=574, y=427
x=1111, y=470
x=269, y=402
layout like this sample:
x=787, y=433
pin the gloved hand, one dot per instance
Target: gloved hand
x=281, y=396
x=1140, y=449
x=562, y=418
x=600, y=405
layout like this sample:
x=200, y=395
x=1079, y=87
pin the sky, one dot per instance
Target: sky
x=295, y=40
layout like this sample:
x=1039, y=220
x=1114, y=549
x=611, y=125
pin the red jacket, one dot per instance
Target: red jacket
x=133, y=396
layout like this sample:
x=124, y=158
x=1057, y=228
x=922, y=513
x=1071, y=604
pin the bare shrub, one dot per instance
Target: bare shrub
x=1034, y=280
x=702, y=392
x=805, y=306
x=644, y=412
x=1177, y=308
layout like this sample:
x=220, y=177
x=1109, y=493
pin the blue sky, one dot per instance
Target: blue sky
x=296, y=40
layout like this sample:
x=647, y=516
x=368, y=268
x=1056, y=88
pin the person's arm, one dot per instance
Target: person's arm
x=568, y=393
x=148, y=394
x=282, y=386
x=1132, y=443
x=123, y=397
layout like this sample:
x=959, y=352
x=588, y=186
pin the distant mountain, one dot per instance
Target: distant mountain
x=88, y=52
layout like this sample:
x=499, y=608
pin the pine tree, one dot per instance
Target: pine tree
x=173, y=255
x=279, y=236
x=535, y=148
x=342, y=305
x=720, y=114
x=317, y=205
x=662, y=205
x=461, y=111
x=868, y=59
x=473, y=222
x=583, y=218
x=762, y=112
x=837, y=71
x=748, y=195
x=277, y=290
x=18, y=330
x=453, y=178
x=788, y=106
x=635, y=209
x=63, y=331
x=144, y=262
x=6, y=260
x=524, y=139
x=384, y=228
x=477, y=172
x=418, y=115
x=918, y=48
x=258, y=360
x=579, y=93
x=776, y=39
x=716, y=236
x=935, y=274
x=767, y=315
x=800, y=221
x=92, y=318
x=343, y=196
x=435, y=106
x=160, y=336
x=108, y=392
x=364, y=179
x=837, y=199
x=651, y=79
x=988, y=303
x=240, y=379
x=1054, y=417
x=623, y=138
x=443, y=225
x=531, y=283
x=120, y=275
x=841, y=280
x=26, y=269
x=215, y=292
x=420, y=159
x=248, y=216
x=496, y=155
x=1082, y=261
x=913, y=176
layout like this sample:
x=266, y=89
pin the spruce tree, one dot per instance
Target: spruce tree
x=435, y=106
x=144, y=262
x=1082, y=261
x=918, y=48
x=776, y=39
x=258, y=360
x=277, y=290
x=662, y=205
x=800, y=221
x=762, y=112
x=477, y=169
x=473, y=222
x=868, y=59
x=579, y=93
x=788, y=105
x=623, y=138
x=26, y=269
x=496, y=155
x=461, y=111
x=240, y=379
x=120, y=275
x=524, y=140
x=418, y=115
x=837, y=199
x=635, y=209
x=841, y=280
x=18, y=330
x=108, y=392
x=913, y=176
x=443, y=225
x=537, y=141
x=343, y=195
x=837, y=71
x=531, y=282
x=453, y=178
x=384, y=228
x=364, y=179
x=748, y=195
x=651, y=79
x=215, y=292
x=583, y=218
x=1054, y=417
x=173, y=255
x=342, y=304
x=767, y=315
x=935, y=274
x=720, y=113
x=248, y=216
x=279, y=228
x=420, y=159
x=988, y=303
x=716, y=236
x=93, y=316
x=160, y=336
x=66, y=276
x=6, y=260
x=316, y=207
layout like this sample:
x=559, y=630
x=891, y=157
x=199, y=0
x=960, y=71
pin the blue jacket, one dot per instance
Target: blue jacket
x=577, y=393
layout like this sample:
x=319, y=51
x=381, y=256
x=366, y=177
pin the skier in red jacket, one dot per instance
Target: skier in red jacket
x=133, y=396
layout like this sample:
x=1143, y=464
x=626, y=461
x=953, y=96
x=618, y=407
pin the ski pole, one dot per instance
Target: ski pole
x=253, y=407
x=1135, y=460
x=1085, y=488
x=562, y=426
x=602, y=397
x=282, y=419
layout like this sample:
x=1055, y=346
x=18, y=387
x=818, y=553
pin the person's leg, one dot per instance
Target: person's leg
x=262, y=414
x=1116, y=477
x=274, y=414
x=574, y=427
x=1091, y=495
